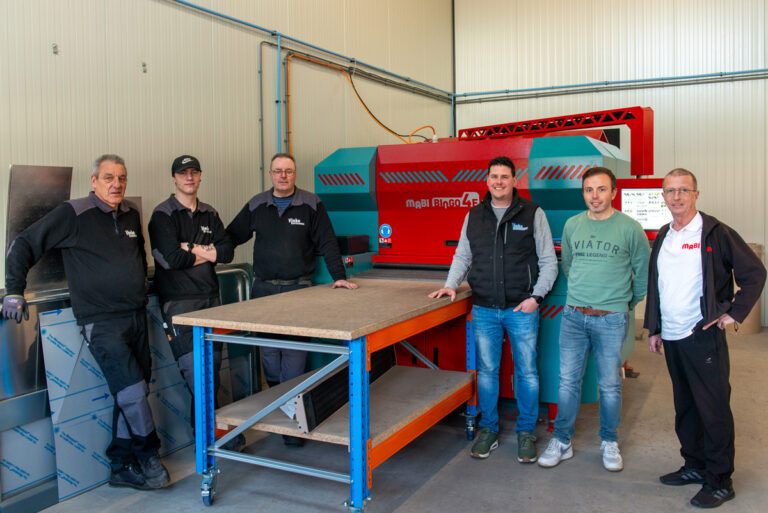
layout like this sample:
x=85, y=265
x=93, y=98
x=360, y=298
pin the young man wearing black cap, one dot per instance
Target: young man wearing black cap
x=188, y=240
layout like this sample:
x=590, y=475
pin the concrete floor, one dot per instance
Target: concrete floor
x=436, y=474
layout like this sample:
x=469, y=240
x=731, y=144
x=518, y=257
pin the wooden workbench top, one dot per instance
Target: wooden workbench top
x=323, y=312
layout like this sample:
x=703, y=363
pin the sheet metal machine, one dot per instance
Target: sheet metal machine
x=411, y=201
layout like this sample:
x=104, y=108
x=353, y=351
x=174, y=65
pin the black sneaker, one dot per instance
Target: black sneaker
x=682, y=477
x=129, y=476
x=155, y=473
x=293, y=441
x=709, y=497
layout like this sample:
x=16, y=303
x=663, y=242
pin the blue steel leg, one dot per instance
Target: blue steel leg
x=204, y=411
x=359, y=428
x=471, y=412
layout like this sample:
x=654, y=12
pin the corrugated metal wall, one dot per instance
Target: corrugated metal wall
x=200, y=91
x=719, y=131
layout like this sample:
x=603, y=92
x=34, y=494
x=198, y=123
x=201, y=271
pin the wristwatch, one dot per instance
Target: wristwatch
x=190, y=246
x=538, y=299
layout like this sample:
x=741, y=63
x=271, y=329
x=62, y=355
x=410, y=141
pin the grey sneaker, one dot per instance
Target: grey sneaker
x=612, y=459
x=526, y=450
x=556, y=452
x=486, y=441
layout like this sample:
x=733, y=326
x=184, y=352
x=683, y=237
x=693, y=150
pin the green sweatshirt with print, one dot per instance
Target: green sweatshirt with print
x=606, y=262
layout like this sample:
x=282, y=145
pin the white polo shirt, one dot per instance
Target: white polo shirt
x=680, y=280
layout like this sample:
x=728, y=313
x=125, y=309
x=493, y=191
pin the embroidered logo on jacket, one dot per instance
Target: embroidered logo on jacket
x=295, y=222
x=205, y=229
x=519, y=227
x=130, y=233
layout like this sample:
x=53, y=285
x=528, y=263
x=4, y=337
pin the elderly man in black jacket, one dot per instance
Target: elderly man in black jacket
x=103, y=250
x=690, y=302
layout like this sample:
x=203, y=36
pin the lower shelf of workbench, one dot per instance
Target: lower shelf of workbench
x=404, y=400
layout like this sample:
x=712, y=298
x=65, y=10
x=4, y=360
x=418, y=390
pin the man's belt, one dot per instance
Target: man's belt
x=594, y=312
x=304, y=280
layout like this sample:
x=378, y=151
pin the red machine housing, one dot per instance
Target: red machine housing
x=438, y=184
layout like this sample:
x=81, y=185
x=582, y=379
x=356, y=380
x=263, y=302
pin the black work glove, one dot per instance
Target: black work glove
x=14, y=307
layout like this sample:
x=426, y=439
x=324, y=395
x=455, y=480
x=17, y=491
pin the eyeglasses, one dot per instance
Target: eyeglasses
x=286, y=172
x=683, y=191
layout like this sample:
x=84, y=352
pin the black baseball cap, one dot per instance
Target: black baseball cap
x=185, y=162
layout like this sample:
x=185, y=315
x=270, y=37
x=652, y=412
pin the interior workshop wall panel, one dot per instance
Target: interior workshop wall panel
x=231, y=176
x=321, y=22
x=161, y=105
x=718, y=130
x=150, y=79
x=359, y=18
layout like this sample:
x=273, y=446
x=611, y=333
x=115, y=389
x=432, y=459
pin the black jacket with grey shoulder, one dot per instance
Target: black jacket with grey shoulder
x=176, y=275
x=285, y=244
x=103, y=253
x=724, y=256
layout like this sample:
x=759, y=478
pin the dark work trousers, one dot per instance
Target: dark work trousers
x=182, y=346
x=121, y=348
x=699, y=367
x=280, y=364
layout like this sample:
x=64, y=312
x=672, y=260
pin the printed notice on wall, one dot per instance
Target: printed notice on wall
x=646, y=206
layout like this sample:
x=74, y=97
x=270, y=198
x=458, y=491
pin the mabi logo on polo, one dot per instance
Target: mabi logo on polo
x=295, y=222
x=130, y=233
x=695, y=245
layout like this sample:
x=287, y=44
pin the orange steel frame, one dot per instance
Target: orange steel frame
x=401, y=331
x=378, y=454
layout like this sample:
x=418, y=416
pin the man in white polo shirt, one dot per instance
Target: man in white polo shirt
x=690, y=302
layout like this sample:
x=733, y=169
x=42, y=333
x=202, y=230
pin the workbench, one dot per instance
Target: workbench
x=379, y=419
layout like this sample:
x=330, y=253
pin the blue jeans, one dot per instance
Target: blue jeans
x=522, y=328
x=604, y=335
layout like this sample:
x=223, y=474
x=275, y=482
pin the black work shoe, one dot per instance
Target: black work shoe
x=293, y=441
x=709, y=497
x=128, y=476
x=155, y=473
x=682, y=477
x=237, y=444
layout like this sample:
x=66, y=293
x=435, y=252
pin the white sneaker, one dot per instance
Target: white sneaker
x=611, y=456
x=556, y=452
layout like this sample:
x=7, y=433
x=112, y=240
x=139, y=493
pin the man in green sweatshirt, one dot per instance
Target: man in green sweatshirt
x=605, y=258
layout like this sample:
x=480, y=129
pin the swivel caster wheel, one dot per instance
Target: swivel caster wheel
x=208, y=486
x=469, y=428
